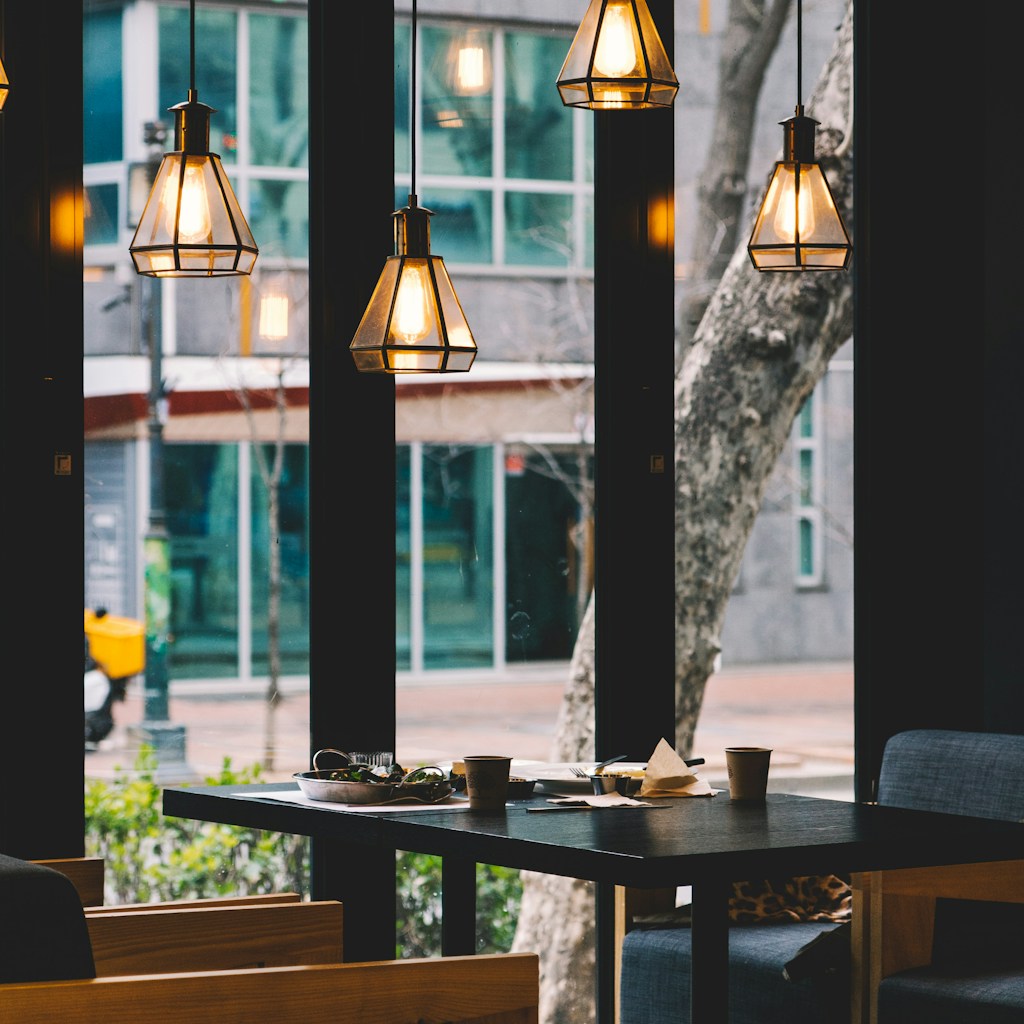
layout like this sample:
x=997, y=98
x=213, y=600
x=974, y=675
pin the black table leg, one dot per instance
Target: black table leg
x=709, y=958
x=458, y=906
x=606, y=981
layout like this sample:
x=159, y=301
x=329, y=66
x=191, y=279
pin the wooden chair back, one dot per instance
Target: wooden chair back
x=487, y=989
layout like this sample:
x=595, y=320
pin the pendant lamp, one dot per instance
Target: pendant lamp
x=799, y=226
x=5, y=85
x=414, y=322
x=617, y=60
x=192, y=225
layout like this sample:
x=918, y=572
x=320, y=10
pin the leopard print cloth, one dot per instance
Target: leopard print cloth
x=806, y=898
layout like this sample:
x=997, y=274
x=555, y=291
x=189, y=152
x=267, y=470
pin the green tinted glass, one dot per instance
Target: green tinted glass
x=279, y=91
x=279, y=217
x=457, y=119
x=216, y=68
x=538, y=128
x=102, y=86
x=538, y=229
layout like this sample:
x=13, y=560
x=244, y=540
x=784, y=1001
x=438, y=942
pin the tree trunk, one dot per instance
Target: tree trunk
x=763, y=343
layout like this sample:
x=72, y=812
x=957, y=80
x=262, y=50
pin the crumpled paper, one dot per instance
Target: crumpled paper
x=668, y=775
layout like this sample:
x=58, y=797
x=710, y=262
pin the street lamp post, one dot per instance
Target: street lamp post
x=156, y=730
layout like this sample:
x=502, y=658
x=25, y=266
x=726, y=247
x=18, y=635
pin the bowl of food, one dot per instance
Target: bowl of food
x=625, y=783
x=345, y=786
x=520, y=788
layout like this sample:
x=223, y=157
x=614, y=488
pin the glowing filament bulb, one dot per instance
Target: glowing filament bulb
x=615, y=54
x=411, y=319
x=795, y=209
x=194, y=216
x=470, y=74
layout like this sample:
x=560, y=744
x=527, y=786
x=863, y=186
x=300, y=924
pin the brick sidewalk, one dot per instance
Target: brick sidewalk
x=805, y=713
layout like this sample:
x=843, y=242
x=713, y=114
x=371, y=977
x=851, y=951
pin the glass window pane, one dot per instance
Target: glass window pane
x=279, y=217
x=806, y=528
x=279, y=91
x=102, y=86
x=538, y=229
x=457, y=119
x=403, y=560
x=806, y=477
x=293, y=544
x=538, y=128
x=403, y=59
x=201, y=485
x=458, y=557
x=216, y=68
x=546, y=554
x=101, y=214
x=460, y=229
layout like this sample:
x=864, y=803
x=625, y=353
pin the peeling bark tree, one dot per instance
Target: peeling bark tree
x=762, y=345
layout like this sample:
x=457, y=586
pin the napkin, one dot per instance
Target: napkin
x=667, y=775
x=600, y=800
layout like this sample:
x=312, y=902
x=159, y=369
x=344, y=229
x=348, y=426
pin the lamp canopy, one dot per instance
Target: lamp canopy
x=192, y=224
x=617, y=60
x=798, y=226
x=414, y=322
x=5, y=85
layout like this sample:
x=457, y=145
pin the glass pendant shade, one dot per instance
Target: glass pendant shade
x=192, y=225
x=5, y=85
x=414, y=322
x=798, y=226
x=617, y=60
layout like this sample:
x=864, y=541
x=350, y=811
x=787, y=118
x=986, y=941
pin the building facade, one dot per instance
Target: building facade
x=494, y=489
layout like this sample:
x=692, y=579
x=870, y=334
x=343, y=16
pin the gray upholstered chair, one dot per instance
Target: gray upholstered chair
x=967, y=968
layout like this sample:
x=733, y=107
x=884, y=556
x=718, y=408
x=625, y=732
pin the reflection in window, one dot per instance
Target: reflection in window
x=100, y=202
x=538, y=229
x=457, y=136
x=293, y=523
x=102, y=86
x=278, y=91
x=201, y=484
x=460, y=231
x=216, y=69
x=538, y=128
x=279, y=217
x=458, y=556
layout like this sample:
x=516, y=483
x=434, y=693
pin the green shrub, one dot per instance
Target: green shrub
x=149, y=858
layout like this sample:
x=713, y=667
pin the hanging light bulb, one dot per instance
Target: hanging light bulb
x=5, y=85
x=617, y=60
x=414, y=321
x=798, y=226
x=192, y=224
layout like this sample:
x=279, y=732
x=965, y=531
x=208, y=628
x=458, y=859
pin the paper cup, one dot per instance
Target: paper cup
x=748, y=772
x=487, y=781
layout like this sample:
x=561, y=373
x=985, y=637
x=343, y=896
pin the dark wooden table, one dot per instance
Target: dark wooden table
x=704, y=842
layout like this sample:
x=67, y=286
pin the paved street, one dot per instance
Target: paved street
x=805, y=713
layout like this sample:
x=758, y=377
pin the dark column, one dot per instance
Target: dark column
x=352, y=434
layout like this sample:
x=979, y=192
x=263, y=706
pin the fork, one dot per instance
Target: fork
x=582, y=773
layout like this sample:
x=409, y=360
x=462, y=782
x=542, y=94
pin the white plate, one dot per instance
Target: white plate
x=559, y=779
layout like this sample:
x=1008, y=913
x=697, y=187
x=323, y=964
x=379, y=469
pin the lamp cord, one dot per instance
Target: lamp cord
x=192, y=45
x=799, y=52
x=412, y=107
